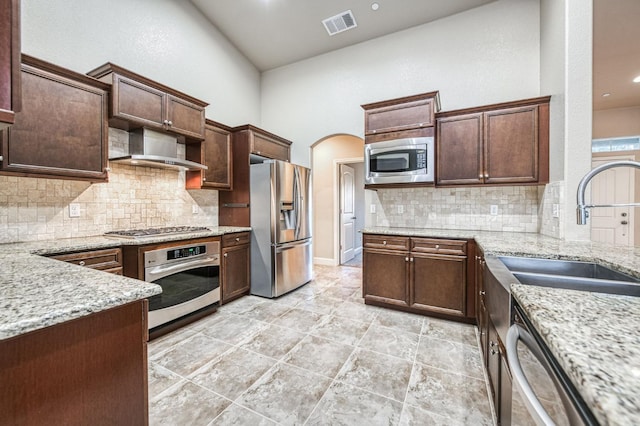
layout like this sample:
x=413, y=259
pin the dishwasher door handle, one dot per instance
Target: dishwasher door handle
x=535, y=408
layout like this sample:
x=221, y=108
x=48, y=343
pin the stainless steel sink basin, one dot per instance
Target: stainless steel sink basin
x=574, y=275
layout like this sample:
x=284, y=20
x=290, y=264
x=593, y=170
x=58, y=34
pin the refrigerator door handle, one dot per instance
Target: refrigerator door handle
x=297, y=200
x=289, y=246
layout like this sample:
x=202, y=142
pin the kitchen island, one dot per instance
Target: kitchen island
x=73, y=339
x=593, y=336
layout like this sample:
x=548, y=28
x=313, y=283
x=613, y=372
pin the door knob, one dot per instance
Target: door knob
x=623, y=214
x=624, y=222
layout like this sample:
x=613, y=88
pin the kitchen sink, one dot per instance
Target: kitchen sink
x=573, y=275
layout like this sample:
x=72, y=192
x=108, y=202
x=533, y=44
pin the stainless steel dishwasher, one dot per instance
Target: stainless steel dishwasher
x=541, y=394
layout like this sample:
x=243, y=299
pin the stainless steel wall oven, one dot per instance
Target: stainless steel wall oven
x=189, y=275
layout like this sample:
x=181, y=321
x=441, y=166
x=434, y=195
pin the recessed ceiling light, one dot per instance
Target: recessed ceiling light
x=604, y=95
x=375, y=6
x=637, y=79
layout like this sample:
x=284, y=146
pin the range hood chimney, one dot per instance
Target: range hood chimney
x=155, y=149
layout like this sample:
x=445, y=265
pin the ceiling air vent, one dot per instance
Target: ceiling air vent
x=341, y=22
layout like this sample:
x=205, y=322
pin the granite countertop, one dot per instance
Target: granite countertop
x=594, y=336
x=37, y=292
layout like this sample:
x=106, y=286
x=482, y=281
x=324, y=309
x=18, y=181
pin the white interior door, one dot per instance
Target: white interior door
x=347, y=213
x=613, y=225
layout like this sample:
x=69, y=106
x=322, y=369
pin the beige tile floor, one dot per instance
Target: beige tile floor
x=317, y=356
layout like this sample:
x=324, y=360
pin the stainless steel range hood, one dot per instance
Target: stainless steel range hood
x=155, y=149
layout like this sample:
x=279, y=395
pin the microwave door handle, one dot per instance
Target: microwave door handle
x=532, y=402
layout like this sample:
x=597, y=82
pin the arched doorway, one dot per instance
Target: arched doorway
x=326, y=157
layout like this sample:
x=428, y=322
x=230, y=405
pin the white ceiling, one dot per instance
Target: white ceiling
x=616, y=53
x=273, y=33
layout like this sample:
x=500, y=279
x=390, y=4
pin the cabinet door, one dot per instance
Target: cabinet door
x=136, y=102
x=511, y=145
x=385, y=276
x=405, y=116
x=459, y=148
x=439, y=283
x=9, y=61
x=61, y=130
x=185, y=118
x=270, y=148
x=214, y=152
x=235, y=272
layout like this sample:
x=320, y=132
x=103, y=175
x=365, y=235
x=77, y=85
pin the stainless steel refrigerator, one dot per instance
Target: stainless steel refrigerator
x=280, y=205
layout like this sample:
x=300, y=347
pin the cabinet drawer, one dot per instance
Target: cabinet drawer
x=270, y=148
x=386, y=242
x=237, y=239
x=410, y=115
x=438, y=246
x=107, y=259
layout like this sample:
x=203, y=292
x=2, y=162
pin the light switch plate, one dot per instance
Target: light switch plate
x=195, y=209
x=74, y=210
x=372, y=208
x=494, y=209
x=555, y=210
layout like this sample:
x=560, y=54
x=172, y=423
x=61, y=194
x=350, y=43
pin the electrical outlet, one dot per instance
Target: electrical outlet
x=494, y=209
x=555, y=209
x=195, y=209
x=74, y=210
x=400, y=209
x=372, y=208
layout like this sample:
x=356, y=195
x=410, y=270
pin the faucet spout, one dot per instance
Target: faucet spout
x=582, y=213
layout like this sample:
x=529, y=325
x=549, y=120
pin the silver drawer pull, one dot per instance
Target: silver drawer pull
x=81, y=263
x=384, y=242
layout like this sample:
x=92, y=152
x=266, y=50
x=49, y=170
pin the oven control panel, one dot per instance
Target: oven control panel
x=183, y=252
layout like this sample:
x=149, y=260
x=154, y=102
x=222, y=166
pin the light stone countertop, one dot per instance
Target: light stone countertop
x=595, y=337
x=37, y=292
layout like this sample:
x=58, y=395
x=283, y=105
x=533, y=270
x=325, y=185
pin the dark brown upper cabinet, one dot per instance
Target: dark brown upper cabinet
x=505, y=143
x=247, y=141
x=215, y=152
x=391, y=118
x=62, y=130
x=137, y=101
x=10, y=77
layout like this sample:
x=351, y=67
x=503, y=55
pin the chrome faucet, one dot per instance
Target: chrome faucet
x=582, y=212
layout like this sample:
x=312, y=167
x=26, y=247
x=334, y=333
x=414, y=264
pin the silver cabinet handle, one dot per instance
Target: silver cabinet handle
x=537, y=411
x=624, y=222
x=384, y=243
x=170, y=123
x=237, y=239
x=226, y=254
x=437, y=246
x=81, y=263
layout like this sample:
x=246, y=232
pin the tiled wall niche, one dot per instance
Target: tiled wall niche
x=35, y=209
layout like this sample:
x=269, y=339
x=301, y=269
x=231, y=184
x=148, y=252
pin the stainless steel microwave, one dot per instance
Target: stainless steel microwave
x=399, y=161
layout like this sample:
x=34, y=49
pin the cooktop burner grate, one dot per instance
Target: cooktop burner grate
x=151, y=232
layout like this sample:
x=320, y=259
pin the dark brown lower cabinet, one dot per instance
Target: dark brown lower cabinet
x=439, y=283
x=235, y=266
x=87, y=371
x=422, y=275
x=108, y=260
x=385, y=277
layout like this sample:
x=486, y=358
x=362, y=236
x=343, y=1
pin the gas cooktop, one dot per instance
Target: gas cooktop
x=153, y=232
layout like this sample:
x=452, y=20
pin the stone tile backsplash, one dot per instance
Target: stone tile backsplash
x=35, y=209
x=550, y=225
x=457, y=208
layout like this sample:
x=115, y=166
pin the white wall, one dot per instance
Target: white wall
x=482, y=56
x=552, y=78
x=166, y=40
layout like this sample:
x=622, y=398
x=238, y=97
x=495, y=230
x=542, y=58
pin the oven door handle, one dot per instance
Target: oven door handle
x=535, y=408
x=156, y=272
